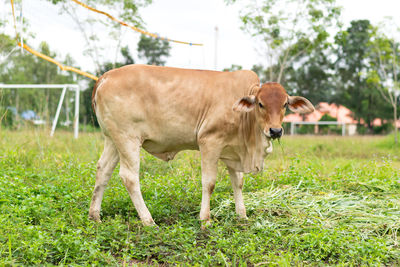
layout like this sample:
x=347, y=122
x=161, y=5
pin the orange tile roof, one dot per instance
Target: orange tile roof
x=341, y=113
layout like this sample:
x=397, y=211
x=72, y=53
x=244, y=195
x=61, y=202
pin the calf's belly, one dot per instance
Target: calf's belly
x=166, y=146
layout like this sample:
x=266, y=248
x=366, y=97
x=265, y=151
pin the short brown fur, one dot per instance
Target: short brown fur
x=272, y=95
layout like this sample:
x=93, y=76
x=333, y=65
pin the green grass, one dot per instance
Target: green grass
x=320, y=201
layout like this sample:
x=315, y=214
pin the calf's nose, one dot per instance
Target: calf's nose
x=275, y=132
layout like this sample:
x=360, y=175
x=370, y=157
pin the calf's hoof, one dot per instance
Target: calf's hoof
x=243, y=217
x=205, y=224
x=94, y=217
x=149, y=222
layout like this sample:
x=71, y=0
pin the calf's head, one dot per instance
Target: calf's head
x=269, y=103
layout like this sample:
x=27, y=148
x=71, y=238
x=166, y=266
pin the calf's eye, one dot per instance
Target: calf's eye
x=261, y=105
x=285, y=106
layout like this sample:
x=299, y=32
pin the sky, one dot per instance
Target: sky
x=186, y=20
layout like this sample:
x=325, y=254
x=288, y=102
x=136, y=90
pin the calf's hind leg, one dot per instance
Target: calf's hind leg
x=129, y=153
x=105, y=167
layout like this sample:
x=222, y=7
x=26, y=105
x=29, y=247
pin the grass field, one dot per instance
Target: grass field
x=319, y=201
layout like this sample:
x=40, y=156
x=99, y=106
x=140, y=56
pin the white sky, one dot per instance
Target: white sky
x=186, y=20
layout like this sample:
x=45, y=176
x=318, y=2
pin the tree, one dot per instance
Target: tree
x=127, y=11
x=353, y=90
x=311, y=75
x=153, y=50
x=385, y=69
x=288, y=28
x=8, y=44
x=7, y=47
x=233, y=67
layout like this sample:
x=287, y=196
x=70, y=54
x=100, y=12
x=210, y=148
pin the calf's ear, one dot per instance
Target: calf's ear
x=245, y=104
x=299, y=104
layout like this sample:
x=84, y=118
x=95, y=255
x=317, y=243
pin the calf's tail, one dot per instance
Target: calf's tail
x=96, y=85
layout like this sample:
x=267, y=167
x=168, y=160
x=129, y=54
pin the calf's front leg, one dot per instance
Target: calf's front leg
x=209, y=169
x=237, y=185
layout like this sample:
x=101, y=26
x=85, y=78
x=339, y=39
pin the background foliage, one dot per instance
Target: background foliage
x=304, y=47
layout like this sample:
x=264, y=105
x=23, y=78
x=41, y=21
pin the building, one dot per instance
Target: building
x=342, y=114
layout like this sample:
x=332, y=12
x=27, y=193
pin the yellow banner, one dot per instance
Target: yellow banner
x=61, y=66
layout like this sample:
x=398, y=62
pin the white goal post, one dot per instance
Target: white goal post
x=64, y=87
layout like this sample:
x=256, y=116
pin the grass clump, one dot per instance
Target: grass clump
x=320, y=201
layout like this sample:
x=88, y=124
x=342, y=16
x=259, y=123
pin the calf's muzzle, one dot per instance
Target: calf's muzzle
x=275, y=132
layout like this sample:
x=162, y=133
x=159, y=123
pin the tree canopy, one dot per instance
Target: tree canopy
x=287, y=29
x=154, y=51
x=353, y=57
